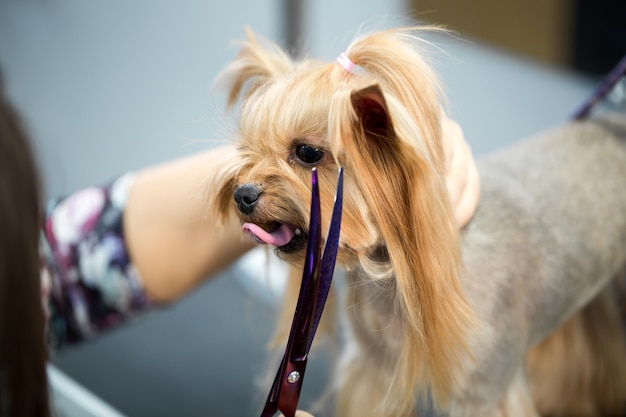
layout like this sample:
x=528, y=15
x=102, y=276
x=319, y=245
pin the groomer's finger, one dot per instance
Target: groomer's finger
x=456, y=159
x=300, y=413
x=467, y=204
x=462, y=179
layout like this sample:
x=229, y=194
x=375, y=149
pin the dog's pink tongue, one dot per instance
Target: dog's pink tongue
x=278, y=237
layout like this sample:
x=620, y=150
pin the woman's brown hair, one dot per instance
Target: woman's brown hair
x=23, y=383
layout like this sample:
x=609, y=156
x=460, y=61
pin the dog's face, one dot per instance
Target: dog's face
x=283, y=135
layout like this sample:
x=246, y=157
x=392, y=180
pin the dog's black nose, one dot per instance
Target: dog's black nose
x=246, y=196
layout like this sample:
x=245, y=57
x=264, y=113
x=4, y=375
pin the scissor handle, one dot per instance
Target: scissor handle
x=286, y=387
x=291, y=386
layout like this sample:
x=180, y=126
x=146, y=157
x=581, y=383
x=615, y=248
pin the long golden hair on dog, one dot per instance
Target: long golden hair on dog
x=383, y=124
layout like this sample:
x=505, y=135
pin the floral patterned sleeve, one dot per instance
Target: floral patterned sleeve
x=88, y=281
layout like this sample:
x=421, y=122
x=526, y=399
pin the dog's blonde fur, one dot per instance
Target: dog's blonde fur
x=423, y=321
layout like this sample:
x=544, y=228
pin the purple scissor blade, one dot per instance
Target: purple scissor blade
x=329, y=258
x=313, y=248
x=307, y=298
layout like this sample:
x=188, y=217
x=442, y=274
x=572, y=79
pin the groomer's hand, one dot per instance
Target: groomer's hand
x=462, y=178
x=301, y=413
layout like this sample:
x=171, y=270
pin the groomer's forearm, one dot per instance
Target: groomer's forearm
x=173, y=239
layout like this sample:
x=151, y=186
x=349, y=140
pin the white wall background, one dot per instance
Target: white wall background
x=111, y=86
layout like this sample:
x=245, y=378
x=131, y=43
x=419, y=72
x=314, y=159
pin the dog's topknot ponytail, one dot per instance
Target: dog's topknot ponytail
x=255, y=65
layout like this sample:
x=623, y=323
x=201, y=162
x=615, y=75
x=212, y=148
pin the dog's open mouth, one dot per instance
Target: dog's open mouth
x=279, y=235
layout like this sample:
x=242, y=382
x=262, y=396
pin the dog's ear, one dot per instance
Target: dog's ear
x=408, y=201
x=363, y=123
x=370, y=106
x=254, y=66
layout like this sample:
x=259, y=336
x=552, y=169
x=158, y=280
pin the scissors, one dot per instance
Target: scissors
x=316, y=279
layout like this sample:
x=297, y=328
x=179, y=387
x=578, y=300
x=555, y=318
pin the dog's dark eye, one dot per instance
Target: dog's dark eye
x=309, y=154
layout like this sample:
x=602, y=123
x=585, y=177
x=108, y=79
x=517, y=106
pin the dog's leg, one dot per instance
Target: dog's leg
x=518, y=401
x=515, y=401
x=285, y=317
x=363, y=383
x=580, y=370
x=292, y=288
x=373, y=340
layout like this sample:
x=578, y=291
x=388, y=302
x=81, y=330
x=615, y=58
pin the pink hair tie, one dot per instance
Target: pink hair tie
x=345, y=62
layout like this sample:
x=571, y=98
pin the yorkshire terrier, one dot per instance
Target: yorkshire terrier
x=516, y=314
